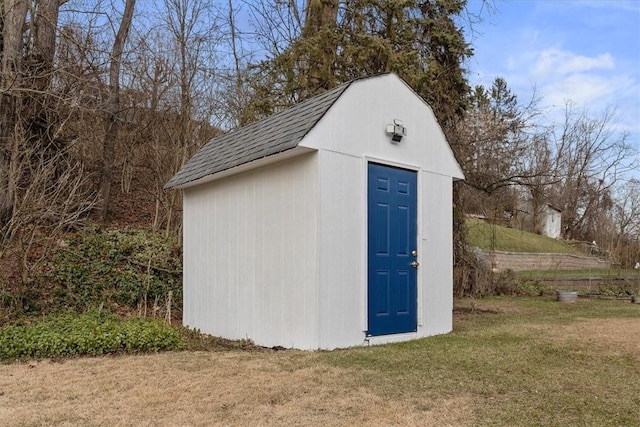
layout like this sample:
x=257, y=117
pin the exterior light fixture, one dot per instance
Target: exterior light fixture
x=397, y=131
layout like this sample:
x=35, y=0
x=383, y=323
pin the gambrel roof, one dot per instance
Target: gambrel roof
x=272, y=135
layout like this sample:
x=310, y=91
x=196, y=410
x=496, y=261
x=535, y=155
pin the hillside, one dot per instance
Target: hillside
x=495, y=237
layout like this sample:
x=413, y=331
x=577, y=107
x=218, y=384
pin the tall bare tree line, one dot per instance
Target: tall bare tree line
x=113, y=118
x=93, y=94
x=61, y=89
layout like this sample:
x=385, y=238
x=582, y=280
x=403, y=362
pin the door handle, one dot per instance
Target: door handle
x=415, y=264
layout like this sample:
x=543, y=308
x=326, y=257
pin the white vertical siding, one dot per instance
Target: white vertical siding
x=250, y=251
x=343, y=255
x=436, y=261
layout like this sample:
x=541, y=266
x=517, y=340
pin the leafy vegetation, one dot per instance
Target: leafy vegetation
x=124, y=270
x=118, y=267
x=93, y=333
x=505, y=283
x=620, y=288
x=604, y=282
x=495, y=237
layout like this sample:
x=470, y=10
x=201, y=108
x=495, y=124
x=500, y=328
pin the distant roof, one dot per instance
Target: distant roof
x=274, y=134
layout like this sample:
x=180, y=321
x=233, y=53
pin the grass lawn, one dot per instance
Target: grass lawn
x=495, y=237
x=525, y=361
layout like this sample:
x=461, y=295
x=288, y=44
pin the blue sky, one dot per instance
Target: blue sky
x=586, y=51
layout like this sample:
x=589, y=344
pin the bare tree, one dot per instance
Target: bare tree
x=589, y=158
x=14, y=14
x=505, y=159
x=44, y=189
x=45, y=206
x=276, y=25
x=192, y=25
x=235, y=92
x=495, y=140
x=627, y=208
x=28, y=107
x=626, y=217
x=45, y=28
x=113, y=107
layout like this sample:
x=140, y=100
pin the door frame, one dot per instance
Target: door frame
x=419, y=244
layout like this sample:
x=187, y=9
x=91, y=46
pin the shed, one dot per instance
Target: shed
x=551, y=221
x=326, y=225
x=544, y=219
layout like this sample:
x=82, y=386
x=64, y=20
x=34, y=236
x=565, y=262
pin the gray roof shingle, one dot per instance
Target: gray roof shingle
x=274, y=134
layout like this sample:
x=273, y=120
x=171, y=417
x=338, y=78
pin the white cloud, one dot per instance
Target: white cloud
x=558, y=75
x=585, y=88
x=584, y=51
x=556, y=61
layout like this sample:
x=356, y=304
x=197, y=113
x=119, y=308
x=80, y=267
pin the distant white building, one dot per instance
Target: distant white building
x=551, y=221
x=545, y=220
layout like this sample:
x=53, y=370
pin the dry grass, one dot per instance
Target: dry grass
x=202, y=389
x=610, y=336
x=510, y=362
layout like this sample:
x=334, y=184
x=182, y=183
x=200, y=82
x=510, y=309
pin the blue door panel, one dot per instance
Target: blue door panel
x=392, y=228
x=402, y=227
x=382, y=233
x=382, y=293
x=383, y=184
x=402, y=283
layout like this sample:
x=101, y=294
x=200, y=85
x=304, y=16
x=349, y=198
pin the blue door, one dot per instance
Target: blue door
x=392, y=264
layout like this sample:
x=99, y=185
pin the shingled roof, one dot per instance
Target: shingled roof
x=274, y=134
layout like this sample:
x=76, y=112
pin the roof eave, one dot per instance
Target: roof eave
x=258, y=163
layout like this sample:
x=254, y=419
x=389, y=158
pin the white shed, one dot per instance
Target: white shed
x=314, y=229
x=551, y=221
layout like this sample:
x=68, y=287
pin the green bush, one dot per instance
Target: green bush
x=118, y=268
x=619, y=288
x=93, y=333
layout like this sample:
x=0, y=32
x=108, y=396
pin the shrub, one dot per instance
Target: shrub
x=93, y=333
x=118, y=268
x=619, y=288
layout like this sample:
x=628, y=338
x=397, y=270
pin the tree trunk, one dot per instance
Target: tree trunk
x=15, y=12
x=46, y=23
x=113, y=108
x=320, y=24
